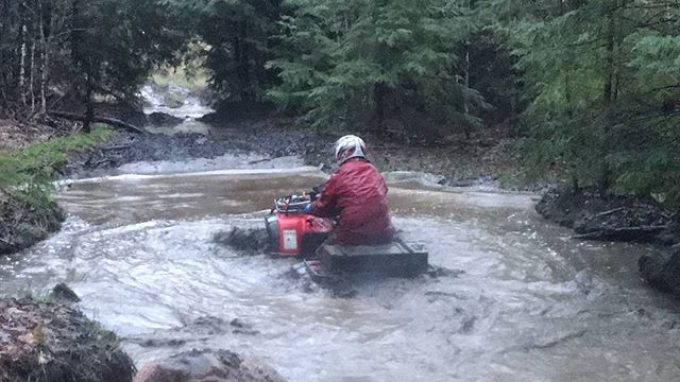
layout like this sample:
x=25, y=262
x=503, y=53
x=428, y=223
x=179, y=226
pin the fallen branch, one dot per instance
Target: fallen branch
x=633, y=207
x=620, y=233
x=114, y=148
x=11, y=245
x=110, y=121
x=610, y=212
x=260, y=161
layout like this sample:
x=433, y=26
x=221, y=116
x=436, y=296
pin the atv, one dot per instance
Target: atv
x=294, y=233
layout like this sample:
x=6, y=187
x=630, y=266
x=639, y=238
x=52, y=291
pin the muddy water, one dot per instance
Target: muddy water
x=530, y=304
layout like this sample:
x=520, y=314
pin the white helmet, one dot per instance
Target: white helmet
x=349, y=146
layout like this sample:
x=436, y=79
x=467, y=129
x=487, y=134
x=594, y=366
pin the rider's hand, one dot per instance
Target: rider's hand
x=309, y=208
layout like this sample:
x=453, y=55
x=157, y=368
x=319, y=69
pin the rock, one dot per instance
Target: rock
x=662, y=271
x=671, y=234
x=52, y=342
x=205, y=365
x=160, y=373
x=63, y=292
x=209, y=325
x=158, y=343
x=237, y=323
x=437, y=272
x=162, y=119
x=243, y=327
x=255, y=240
x=174, y=99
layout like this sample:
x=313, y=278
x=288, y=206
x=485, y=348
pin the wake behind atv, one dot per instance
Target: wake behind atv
x=294, y=233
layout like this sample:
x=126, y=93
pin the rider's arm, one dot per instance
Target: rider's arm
x=326, y=204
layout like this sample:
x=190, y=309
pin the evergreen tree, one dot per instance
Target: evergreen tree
x=239, y=35
x=599, y=90
x=377, y=63
x=85, y=47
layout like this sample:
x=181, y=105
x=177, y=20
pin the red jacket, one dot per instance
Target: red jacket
x=356, y=195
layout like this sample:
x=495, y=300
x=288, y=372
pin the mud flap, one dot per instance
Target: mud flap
x=271, y=224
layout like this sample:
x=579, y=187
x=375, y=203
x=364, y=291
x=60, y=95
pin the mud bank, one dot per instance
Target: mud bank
x=461, y=162
x=29, y=162
x=16, y=135
x=50, y=341
x=610, y=217
x=621, y=218
x=458, y=163
x=21, y=225
x=129, y=148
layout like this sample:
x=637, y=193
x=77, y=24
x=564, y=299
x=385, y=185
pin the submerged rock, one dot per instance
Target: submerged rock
x=205, y=365
x=65, y=293
x=51, y=342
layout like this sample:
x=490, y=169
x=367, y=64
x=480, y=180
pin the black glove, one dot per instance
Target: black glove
x=314, y=194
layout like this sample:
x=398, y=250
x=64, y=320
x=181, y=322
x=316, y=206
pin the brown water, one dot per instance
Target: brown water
x=531, y=305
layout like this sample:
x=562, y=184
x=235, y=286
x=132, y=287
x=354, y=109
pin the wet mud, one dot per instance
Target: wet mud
x=51, y=341
x=252, y=241
x=128, y=148
x=608, y=217
x=455, y=164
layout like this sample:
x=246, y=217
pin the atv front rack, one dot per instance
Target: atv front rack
x=292, y=204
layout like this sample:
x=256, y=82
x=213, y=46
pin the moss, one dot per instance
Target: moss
x=39, y=164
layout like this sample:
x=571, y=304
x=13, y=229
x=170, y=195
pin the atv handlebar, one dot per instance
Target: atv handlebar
x=296, y=202
x=313, y=194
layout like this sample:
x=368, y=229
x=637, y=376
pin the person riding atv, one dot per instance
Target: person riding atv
x=356, y=197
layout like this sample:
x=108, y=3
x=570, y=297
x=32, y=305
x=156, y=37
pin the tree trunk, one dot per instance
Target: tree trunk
x=604, y=181
x=379, y=91
x=22, y=65
x=110, y=121
x=45, y=62
x=31, y=83
x=466, y=106
x=89, y=105
x=3, y=34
